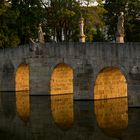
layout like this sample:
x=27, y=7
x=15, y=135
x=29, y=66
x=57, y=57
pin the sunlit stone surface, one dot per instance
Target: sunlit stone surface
x=62, y=80
x=112, y=115
x=22, y=78
x=110, y=83
x=23, y=105
x=62, y=110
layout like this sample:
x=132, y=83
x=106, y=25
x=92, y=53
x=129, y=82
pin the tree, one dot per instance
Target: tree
x=62, y=19
x=8, y=36
x=19, y=21
x=131, y=9
x=94, y=22
x=93, y=11
x=31, y=13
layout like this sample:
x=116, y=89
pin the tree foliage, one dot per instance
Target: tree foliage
x=8, y=34
x=131, y=9
x=60, y=20
x=19, y=21
x=63, y=18
x=94, y=22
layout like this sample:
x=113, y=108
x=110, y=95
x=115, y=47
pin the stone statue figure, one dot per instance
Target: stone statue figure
x=40, y=34
x=81, y=25
x=120, y=24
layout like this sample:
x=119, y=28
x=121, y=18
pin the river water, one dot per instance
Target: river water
x=60, y=118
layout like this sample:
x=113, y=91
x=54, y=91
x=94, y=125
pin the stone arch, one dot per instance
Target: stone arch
x=61, y=79
x=22, y=78
x=110, y=83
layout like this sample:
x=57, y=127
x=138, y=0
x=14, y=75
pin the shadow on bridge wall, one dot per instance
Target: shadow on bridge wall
x=8, y=77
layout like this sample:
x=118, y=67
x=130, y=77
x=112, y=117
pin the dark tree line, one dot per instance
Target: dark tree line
x=19, y=20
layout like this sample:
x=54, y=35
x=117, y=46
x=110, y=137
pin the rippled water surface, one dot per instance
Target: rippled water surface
x=60, y=118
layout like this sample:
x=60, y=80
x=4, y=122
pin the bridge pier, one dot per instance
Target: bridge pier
x=134, y=90
x=8, y=77
x=39, y=77
x=83, y=82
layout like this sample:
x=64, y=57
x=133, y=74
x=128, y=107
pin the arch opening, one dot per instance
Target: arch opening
x=61, y=80
x=22, y=78
x=110, y=83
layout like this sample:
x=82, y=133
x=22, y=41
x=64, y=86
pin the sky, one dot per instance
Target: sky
x=84, y=2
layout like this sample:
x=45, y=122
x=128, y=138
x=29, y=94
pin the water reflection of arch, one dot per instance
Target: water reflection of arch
x=62, y=110
x=112, y=115
x=61, y=79
x=23, y=105
x=110, y=83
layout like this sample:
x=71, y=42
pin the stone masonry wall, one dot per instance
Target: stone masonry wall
x=86, y=60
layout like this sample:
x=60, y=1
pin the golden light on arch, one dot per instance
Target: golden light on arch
x=62, y=80
x=22, y=91
x=22, y=78
x=110, y=83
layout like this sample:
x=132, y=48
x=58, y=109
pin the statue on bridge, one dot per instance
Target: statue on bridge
x=120, y=29
x=40, y=35
x=120, y=24
x=37, y=44
x=82, y=35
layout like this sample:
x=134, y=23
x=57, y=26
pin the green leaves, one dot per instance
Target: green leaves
x=8, y=34
x=19, y=21
x=60, y=20
x=131, y=9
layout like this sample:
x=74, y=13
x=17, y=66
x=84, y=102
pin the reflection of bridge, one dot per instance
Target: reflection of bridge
x=70, y=121
x=85, y=60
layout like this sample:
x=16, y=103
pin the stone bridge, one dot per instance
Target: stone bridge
x=79, y=68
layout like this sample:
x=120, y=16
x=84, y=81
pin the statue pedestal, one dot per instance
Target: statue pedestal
x=119, y=38
x=82, y=38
